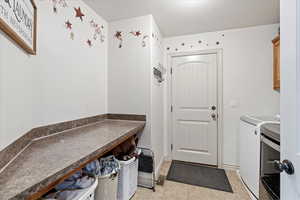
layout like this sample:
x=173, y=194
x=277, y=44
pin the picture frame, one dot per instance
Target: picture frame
x=18, y=19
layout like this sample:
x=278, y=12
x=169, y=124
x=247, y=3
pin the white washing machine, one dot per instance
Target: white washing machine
x=250, y=151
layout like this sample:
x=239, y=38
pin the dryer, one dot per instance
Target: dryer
x=250, y=151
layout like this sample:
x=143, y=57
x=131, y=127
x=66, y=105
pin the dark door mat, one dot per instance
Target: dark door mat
x=194, y=174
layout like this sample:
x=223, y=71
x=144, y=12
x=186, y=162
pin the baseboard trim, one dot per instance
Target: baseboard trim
x=230, y=167
x=157, y=170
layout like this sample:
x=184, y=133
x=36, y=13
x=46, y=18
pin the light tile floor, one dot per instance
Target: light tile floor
x=178, y=191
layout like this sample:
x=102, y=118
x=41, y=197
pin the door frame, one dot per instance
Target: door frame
x=169, y=115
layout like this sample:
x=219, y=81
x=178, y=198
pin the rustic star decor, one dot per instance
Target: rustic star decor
x=68, y=25
x=79, y=13
x=54, y=9
x=118, y=35
x=89, y=42
x=136, y=33
x=144, y=40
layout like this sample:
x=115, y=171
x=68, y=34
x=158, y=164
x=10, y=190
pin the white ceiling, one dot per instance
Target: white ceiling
x=180, y=17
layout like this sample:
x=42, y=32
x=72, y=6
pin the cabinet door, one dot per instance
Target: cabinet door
x=276, y=63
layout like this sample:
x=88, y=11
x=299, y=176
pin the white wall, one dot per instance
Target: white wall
x=157, y=105
x=132, y=87
x=66, y=80
x=129, y=69
x=247, y=76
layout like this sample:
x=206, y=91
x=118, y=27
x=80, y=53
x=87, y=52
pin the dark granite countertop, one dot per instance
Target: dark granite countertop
x=48, y=159
x=271, y=130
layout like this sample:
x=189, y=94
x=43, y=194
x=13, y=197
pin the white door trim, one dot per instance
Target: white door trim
x=169, y=137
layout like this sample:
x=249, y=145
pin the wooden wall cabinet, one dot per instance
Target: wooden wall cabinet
x=276, y=63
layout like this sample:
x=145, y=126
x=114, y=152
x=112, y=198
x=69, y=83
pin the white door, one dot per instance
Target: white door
x=290, y=96
x=194, y=101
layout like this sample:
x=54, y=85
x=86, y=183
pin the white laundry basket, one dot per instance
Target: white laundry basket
x=107, y=187
x=80, y=194
x=128, y=178
x=89, y=193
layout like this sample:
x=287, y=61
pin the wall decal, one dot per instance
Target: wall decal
x=61, y=3
x=98, y=31
x=89, y=42
x=119, y=36
x=79, y=13
x=68, y=25
x=195, y=44
x=136, y=33
x=144, y=40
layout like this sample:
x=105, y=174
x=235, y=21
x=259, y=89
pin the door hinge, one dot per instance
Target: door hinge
x=171, y=71
x=171, y=147
x=171, y=108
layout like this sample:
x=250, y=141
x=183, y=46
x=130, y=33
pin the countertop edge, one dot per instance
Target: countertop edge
x=42, y=187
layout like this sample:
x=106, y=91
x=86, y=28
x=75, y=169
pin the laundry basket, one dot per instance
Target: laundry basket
x=89, y=194
x=107, y=187
x=128, y=177
x=79, y=194
x=108, y=182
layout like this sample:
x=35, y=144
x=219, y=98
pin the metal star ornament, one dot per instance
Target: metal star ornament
x=136, y=33
x=68, y=25
x=79, y=13
x=54, y=9
x=89, y=42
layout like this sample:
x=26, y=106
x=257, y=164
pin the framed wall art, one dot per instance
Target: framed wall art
x=18, y=19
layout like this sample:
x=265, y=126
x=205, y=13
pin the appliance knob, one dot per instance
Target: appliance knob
x=285, y=165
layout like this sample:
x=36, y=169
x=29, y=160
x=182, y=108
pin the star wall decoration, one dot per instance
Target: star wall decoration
x=136, y=33
x=98, y=31
x=58, y=3
x=55, y=9
x=79, y=13
x=89, y=42
x=118, y=35
x=144, y=40
x=68, y=25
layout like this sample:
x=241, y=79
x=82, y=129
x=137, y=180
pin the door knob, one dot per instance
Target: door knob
x=214, y=107
x=285, y=165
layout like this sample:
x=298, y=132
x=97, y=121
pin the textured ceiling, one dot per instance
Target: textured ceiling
x=180, y=17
